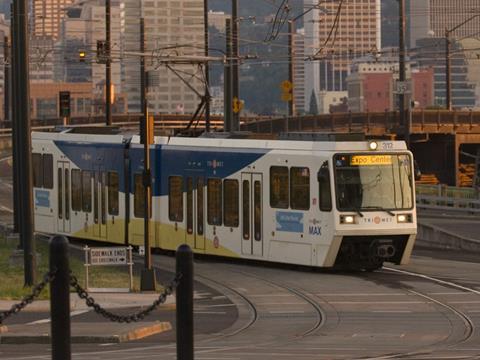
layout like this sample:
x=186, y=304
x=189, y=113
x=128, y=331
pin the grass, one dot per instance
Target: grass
x=11, y=286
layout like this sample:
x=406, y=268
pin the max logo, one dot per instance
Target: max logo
x=315, y=230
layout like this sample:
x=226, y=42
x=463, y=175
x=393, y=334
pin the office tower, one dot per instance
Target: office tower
x=430, y=18
x=47, y=16
x=172, y=28
x=347, y=29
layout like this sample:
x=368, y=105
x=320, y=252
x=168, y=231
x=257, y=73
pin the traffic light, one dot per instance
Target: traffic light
x=82, y=55
x=102, y=52
x=287, y=91
x=64, y=103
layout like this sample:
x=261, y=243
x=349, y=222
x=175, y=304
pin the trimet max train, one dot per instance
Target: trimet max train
x=344, y=204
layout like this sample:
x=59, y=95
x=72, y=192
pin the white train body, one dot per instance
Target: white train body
x=311, y=203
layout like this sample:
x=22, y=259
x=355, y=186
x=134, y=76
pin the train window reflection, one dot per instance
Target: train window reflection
x=214, y=199
x=175, y=198
x=48, y=171
x=372, y=182
x=139, y=196
x=230, y=203
x=87, y=191
x=76, y=190
x=37, y=165
x=324, y=188
x=279, y=187
x=113, y=188
x=300, y=188
x=257, y=208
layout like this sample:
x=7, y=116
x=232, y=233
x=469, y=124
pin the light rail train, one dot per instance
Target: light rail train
x=345, y=204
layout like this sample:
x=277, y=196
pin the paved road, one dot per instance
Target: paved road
x=286, y=313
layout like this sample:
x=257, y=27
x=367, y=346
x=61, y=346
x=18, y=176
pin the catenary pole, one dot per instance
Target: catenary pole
x=108, y=66
x=14, y=122
x=402, y=77
x=235, y=70
x=207, y=68
x=25, y=145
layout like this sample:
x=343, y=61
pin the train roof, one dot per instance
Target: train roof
x=205, y=142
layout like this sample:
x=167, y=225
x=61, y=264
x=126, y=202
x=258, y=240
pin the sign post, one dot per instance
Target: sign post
x=108, y=256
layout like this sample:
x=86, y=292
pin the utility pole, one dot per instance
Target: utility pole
x=207, y=68
x=108, y=65
x=227, y=78
x=448, y=71
x=24, y=141
x=235, y=74
x=147, y=280
x=6, y=70
x=402, y=70
x=291, y=104
x=14, y=123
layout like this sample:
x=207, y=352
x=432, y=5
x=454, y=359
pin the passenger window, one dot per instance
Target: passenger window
x=76, y=190
x=138, y=196
x=214, y=198
x=230, y=203
x=299, y=188
x=279, y=187
x=48, y=171
x=325, y=192
x=37, y=164
x=175, y=198
x=86, y=191
x=113, y=188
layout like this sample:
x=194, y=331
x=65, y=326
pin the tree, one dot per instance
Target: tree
x=313, y=110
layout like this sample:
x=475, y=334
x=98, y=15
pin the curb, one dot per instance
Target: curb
x=135, y=334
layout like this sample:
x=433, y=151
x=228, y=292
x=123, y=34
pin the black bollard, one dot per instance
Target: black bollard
x=60, y=299
x=185, y=303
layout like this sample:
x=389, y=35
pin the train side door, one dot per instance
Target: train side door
x=100, y=203
x=63, y=199
x=195, y=225
x=251, y=208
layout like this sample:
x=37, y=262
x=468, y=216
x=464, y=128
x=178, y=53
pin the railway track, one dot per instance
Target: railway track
x=318, y=316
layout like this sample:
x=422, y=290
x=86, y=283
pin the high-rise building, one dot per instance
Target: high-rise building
x=347, y=29
x=47, y=16
x=172, y=28
x=299, y=98
x=430, y=18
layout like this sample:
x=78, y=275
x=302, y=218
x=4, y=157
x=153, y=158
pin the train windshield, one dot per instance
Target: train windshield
x=369, y=182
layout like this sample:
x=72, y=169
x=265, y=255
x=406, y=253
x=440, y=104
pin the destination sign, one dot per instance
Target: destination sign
x=108, y=256
x=367, y=160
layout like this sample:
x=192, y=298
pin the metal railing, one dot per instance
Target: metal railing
x=448, y=198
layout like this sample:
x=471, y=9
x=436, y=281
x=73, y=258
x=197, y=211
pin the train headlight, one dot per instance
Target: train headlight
x=404, y=218
x=373, y=145
x=347, y=219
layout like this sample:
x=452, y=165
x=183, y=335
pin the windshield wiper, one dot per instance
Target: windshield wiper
x=389, y=212
x=358, y=212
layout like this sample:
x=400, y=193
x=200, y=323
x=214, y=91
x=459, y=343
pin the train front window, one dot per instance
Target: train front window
x=373, y=181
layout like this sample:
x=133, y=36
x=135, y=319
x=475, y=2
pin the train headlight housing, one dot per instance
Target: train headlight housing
x=373, y=145
x=404, y=218
x=347, y=219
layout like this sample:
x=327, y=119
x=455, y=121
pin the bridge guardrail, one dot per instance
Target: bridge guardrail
x=450, y=198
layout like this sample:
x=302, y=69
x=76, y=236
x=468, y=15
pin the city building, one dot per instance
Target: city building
x=430, y=52
x=336, y=33
x=47, y=16
x=42, y=59
x=217, y=19
x=299, y=96
x=44, y=100
x=347, y=30
x=329, y=99
x=371, y=85
x=430, y=18
x=172, y=29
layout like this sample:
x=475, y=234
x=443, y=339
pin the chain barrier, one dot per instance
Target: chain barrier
x=47, y=278
x=90, y=301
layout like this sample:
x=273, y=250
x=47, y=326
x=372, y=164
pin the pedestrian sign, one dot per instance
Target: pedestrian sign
x=287, y=96
x=237, y=105
x=286, y=86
